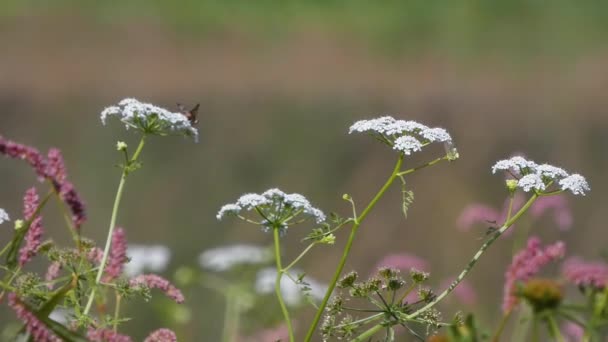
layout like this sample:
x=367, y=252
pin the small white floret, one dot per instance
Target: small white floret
x=576, y=183
x=407, y=144
x=3, y=216
x=531, y=181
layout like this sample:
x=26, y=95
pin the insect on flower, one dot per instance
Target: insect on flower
x=190, y=114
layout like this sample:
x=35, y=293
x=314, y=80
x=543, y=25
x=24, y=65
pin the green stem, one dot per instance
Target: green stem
x=348, y=246
x=554, y=328
x=106, y=250
x=501, y=326
x=116, y=312
x=299, y=257
x=367, y=335
x=277, y=284
x=414, y=169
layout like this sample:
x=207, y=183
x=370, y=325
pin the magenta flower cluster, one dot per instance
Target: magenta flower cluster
x=37, y=329
x=586, y=273
x=526, y=264
x=33, y=237
x=51, y=167
x=154, y=281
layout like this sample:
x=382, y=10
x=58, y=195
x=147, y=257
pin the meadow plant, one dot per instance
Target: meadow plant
x=399, y=296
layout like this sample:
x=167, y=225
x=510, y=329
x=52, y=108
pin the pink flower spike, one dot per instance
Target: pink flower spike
x=558, y=208
x=161, y=335
x=582, y=273
x=38, y=331
x=106, y=335
x=157, y=282
x=55, y=167
x=31, y=155
x=52, y=272
x=573, y=331
x=118, y=255
x=526, y=264
x=33, y=237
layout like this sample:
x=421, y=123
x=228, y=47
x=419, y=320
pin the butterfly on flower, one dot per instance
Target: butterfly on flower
x=190, y=114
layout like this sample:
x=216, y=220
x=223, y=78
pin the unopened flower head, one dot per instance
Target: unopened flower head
x=225, y=258
x=531, y=176
x=150, y=119
x=4, y=216
x=403, y=135
x=277, y=209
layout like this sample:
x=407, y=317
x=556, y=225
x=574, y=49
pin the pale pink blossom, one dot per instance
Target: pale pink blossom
x=161, y=335
x=157, y=282
x=586, y=273
x=557, y=206
x=118, y=255
x=464, y=292
x=527, y=263
x=106, y=335
x=33, y=237
x=38, y=331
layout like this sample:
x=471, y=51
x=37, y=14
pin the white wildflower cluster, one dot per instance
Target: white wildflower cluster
x=225, y=258
x=403, y=135
x=538, y=177
x=142, y=258
x=150, y=119
x=275, y=207
x=3, y=216
x=293, y=293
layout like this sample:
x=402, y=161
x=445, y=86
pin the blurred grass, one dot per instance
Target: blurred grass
x=517, y=27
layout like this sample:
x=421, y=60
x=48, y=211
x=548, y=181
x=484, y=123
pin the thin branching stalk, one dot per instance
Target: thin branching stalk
x=106, y=251
x=466, y=270
x=348, y=246
x=277, y=284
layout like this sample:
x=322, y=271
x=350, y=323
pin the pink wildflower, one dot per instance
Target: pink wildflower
x=557, y=206
x=581, y=273
x=52, y=272
x=34, y=327
x=106, y=335
x=52, y=168
x=95, y=255
x=484, y=214
x=278, y=333
x=118, y=255
x=526, y=264
x=157, y=282
x=31, y=155
x=161, y=335
x=33, y=237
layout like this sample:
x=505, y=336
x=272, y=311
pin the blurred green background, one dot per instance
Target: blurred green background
x=279, y=84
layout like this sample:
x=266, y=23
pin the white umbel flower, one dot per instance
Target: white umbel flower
x=292, y=292
x=538, y=177
x=149, y=118
x=404, y=136
x=407, y=144
x=225, y=258
x=576, y=183
x=531, y=181
x=3, y=216
x=276, y=208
